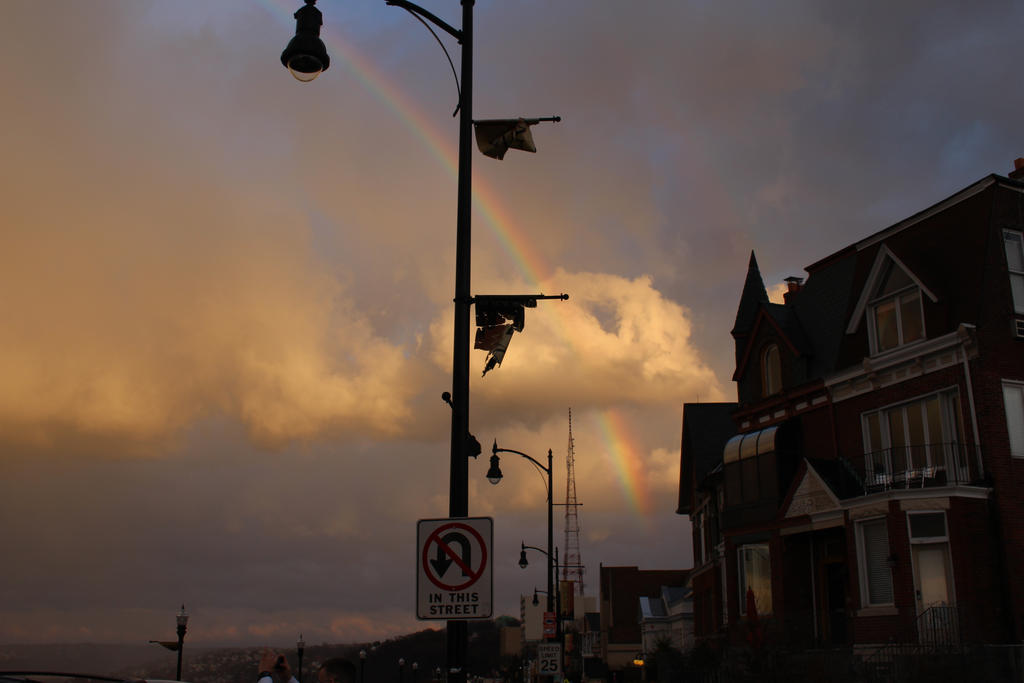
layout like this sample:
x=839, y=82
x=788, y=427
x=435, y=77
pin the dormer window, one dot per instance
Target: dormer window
x=895, y=311
x=771, y=371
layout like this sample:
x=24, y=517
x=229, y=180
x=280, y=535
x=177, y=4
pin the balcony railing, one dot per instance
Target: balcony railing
x=920, y=466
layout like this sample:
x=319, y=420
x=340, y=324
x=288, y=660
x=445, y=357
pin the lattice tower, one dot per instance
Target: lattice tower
x=573, y=566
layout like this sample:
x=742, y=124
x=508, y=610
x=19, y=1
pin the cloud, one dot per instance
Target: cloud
x=130, y=331
x=616, y=341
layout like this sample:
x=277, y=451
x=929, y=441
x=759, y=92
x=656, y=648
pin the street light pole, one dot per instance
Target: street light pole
x=362, y=665
x=300, y=648
x=494, y=476
x=457, y=631
x=182, y=619
x=306, y=57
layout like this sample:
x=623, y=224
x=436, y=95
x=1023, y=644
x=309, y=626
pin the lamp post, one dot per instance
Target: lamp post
x=306, y=57
x=362, y=665
x=494, y=476
x=300, y=647
x=415, y=668
x=401, y=669
x=557, y=595
x=182, y=620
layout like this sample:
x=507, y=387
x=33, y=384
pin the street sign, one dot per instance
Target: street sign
x=549, y=659
x=550, y=625
x=453, y=568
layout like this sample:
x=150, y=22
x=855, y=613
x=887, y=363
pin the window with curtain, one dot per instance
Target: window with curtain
x=1014, y=242
x=1013, y=402
x=895, y=311
x=755, y=573
x=920, y=434
x=873, y=560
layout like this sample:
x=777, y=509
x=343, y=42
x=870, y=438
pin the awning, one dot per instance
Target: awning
x=748, y=445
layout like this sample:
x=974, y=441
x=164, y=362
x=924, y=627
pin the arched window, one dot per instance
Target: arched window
x=771, y=371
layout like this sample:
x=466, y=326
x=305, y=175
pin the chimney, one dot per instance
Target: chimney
x=1018, y=169
x=793, y=285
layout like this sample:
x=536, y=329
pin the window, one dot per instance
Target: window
x=873, y=563
x=771, y=371
x=927, y=527
x=755, y=574
x=895, y=312
x=724, y=603
x=1014, y=242
x=1013, y=401
x=701, y=540
x=915, y=439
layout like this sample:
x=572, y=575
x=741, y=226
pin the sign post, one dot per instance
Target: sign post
x=454, y=579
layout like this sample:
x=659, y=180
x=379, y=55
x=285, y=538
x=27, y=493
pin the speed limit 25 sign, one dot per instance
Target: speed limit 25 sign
x=549, y=659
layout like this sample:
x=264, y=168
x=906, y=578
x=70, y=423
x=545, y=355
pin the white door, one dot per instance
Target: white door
x=932, y=583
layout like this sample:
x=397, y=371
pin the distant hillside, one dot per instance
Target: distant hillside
x=239, y=665
x=105, y=660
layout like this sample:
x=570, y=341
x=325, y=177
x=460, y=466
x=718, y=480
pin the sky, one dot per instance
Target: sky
x=226, y=295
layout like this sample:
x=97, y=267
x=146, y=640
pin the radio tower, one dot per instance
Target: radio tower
x=572, y=570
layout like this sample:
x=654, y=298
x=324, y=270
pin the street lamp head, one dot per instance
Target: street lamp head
x=536, y=601
x=401, y=661
x=523, y=562
x=182, y=617
x=415, y=665
x=306, y=55
x=494, y=473
x=362, y=654
x=301, y=644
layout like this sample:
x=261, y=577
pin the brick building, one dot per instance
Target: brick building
x=621, y=590
x=865, y=486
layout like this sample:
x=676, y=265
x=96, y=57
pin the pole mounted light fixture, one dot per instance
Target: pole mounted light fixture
x=306, y=55
x=494, y=472
x=182, y=620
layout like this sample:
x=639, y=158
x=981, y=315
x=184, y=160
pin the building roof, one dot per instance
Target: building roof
x=754, y=294
x=706, y=428
x=621, y=588
x=652, y=607
x=820, y=307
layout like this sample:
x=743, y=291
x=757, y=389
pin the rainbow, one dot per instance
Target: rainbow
x=485, y=200
x=620, y=442
x=626, y=456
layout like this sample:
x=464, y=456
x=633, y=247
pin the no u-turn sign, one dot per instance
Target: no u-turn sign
x=453, y=568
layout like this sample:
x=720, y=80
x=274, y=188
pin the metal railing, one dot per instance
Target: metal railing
x=936, y=631
x=920, y=466
x=938, y=627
